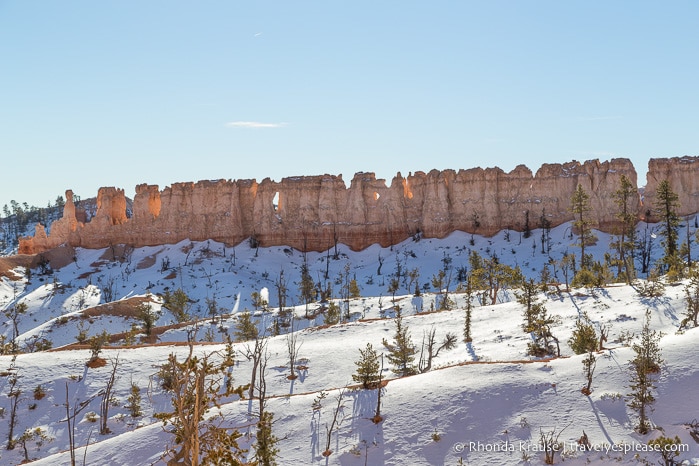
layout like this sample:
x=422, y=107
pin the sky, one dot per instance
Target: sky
x=118, y=93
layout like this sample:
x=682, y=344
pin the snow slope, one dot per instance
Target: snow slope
x=483, y=403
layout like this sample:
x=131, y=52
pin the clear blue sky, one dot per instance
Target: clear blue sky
x=116, y=93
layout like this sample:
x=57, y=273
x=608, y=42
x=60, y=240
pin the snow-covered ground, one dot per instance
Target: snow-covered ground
x=483, y=403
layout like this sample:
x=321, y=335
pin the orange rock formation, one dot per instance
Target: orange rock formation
x=315, y=212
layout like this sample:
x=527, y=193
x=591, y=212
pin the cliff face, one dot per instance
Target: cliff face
x=683, y=176
x=315, y=212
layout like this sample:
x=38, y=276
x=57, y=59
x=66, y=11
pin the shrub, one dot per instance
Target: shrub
x=332, y=315
x=39, y=392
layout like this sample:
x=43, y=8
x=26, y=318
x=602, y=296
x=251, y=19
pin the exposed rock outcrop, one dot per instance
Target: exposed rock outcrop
x=683, y=175
x=315, y=212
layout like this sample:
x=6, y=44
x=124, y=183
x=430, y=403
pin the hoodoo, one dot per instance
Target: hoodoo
x=315, y=212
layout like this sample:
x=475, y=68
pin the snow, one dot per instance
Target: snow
x=487, y=402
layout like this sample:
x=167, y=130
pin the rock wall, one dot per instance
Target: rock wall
x=683, y=175
x=315, y=212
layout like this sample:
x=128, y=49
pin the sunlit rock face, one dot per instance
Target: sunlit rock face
x=683, y=175
x=314, y=213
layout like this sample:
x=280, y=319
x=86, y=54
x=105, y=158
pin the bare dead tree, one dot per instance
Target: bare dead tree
x=265, y=442
x=194, y=385
x=589, y=364
x=256, y=354
x=603, y=334
x=72, y=413
x=550, y=444
x=14, y=314
x=377, y=415
x=430, y=350
x=107, y=397
x=380, y=260
x=261, y=387
x=335, y=422
x=293, y=346
x=13, y=393
x=281, y=285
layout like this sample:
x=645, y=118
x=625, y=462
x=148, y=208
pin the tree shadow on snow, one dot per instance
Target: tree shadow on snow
x=369, y=446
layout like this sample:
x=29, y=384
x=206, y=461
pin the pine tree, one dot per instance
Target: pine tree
x=393, y=285
x=401, y=353
x=367, y=367
x=644, y=369
x=134, y=401
x=306, y=287
x=691, y=292
x=584, y=338
x=332, y=315
x=178, y=304
x=36, y=434
x=528, y=298
x=580, y=207
x=623, y=198
x=468, y=310
x=665, y=206
x=147, y=316
x=491, y=275
x=354, y=288
x=266, y=450
x=543, y=338
x=195, y=386
x=245, y=328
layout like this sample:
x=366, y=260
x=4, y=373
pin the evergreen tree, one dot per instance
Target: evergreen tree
x=134, y=401
x=367, y=367
x=354, y=290
x=492, y=276
x=401, y=353
x=441, y=282
x=38, y=435
x=624, y=198
x=307, y=287
x=528, y=297
x=580, y=206
x=543, y=338
x=645, y=367
x=584, y=338
x=147, y=316
x=266, y=450
x=332, y=315
x=393, y=285
x=178, y=304
x=195, y=387
x=665, y=207
x=246, y=328
x=691, y=292
x=567, y=267
x=545, y=226
x=469, y=308
x=589, y=364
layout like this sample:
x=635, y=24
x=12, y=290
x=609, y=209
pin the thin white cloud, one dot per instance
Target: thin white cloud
x=253, y=124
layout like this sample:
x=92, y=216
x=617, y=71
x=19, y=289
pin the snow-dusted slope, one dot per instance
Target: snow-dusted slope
x=485, y=403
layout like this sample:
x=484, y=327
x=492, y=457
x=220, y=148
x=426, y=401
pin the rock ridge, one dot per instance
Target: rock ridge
x=313, y=213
